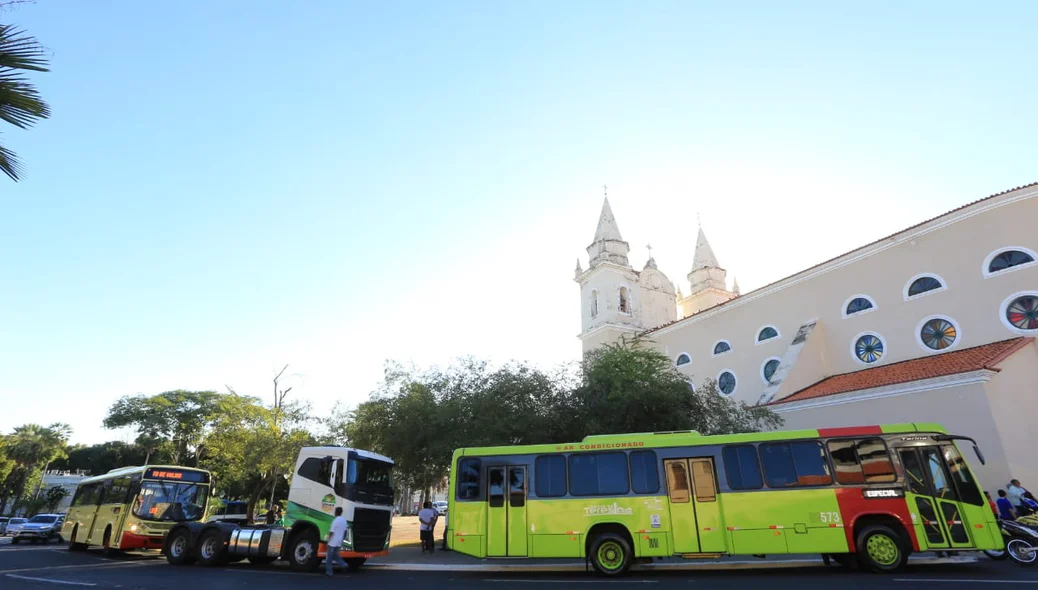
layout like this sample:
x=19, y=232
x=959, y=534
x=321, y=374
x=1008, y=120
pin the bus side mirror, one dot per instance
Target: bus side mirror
x=980, y=456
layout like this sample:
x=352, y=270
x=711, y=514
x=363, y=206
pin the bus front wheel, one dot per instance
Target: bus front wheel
x=881, y=549
x=72, y=544
x=611, y=555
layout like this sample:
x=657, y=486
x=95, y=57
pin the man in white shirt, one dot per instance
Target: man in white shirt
x=336, y=533
x=1016, y=494
x=427, y=518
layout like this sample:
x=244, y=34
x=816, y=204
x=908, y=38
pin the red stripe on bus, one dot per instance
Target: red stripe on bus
x=854, y=505
x=849, y=431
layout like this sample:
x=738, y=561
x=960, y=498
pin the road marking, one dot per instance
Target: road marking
x=49, y=581
x=520, y=581
x=79, y=566
x=966, y=580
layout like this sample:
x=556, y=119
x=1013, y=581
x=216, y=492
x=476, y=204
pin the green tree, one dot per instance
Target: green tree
x=20, y=102
x=173, y=422
x=104, y=457
x=31, y=447
x=629, y=387
x=251, y=447
x=53, y=497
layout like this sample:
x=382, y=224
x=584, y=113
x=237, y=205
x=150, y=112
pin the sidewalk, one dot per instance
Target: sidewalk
x=412, y=559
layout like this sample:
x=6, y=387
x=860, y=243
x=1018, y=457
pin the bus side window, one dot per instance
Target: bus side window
x=469, y=480
x=845, y=462
x=875, y=461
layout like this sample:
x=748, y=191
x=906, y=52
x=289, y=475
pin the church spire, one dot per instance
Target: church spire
x=607, y=228
x=704, y=257
x=608, y=245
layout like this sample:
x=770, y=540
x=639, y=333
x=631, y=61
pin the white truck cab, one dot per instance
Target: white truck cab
x=358, y=481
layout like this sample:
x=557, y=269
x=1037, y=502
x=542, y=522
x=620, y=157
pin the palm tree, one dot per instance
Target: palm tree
x=32, y=447
x=20, y=103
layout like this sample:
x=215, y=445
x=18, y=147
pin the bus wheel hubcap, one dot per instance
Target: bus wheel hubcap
x=882, y=549
x=610, y=555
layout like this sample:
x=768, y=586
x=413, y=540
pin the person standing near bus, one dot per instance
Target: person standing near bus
x=1016, y=494
x=336, y=533
x=427, y=518
x=446, y=522
x=1005, y=507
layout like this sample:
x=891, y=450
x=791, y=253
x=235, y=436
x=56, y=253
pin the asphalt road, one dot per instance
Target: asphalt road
x=40, y=567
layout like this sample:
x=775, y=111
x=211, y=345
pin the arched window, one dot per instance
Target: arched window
x=924, y=284
x=726, y=382
x=767, y=370
x=625, y=302
x=1003, y=260
x=722, y=347
x=767, y=333
x=594, y=304
x=857, y=305
x=868, y=348
x=683, y=359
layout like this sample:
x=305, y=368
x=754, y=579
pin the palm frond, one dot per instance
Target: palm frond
x=9, y=163
x=19, y=51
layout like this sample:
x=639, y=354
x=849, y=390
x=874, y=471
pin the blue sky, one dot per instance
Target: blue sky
x=230, y=186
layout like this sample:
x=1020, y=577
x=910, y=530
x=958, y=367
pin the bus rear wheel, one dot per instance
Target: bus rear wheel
x=611, y=555
x=881, y=549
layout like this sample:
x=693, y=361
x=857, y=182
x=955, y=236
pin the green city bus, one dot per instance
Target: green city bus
x=870, y=495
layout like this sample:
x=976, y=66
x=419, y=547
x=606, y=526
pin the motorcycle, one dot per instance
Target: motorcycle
x=1021, y=543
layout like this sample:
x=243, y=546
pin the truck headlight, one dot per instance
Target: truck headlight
x=349, y=535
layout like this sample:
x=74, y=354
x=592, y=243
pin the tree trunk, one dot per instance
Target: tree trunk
x=254, y=498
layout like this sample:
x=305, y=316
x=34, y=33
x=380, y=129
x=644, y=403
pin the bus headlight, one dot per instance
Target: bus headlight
x=133, y=528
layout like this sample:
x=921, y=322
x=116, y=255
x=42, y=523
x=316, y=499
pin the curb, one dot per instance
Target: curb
x=579, y=567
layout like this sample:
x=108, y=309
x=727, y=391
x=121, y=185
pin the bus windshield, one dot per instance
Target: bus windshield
x=161, y=500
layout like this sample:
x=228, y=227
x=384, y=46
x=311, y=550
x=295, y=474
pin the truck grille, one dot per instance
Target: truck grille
x=370, y=529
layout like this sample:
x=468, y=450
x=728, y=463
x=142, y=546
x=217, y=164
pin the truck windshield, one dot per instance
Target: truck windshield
x=368, y=481
x=161, y=500
x=369, y=473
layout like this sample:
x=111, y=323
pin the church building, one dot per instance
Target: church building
x=935, y=323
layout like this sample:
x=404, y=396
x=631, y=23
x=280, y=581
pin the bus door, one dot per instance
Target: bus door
x=932, y=494
x=695, y=515
x=506, y=511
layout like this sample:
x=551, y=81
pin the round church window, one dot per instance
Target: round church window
x=726, y=383
x=768, y=371
x=938, y=334
x=868, y=348
x=1023, y=312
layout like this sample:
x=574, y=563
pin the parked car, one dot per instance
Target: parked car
x=14, y=525
x=440, y=507
x=3, y=525
x=236, y=512
x=40, y=528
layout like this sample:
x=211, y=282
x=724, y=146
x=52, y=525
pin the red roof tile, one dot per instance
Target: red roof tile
x=949, y=363
x=891, y=236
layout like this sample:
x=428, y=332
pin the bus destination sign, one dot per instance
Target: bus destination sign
x=177, y=475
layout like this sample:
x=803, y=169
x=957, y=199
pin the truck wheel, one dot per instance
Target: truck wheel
x=881, y=549
x=353, y=564
x=611, y=555
x=210, y=548
x=303, y=552
x=178, y=548
x=261, y=559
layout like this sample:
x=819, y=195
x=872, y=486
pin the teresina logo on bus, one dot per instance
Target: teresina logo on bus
x=599, y=446
x=883, y=493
